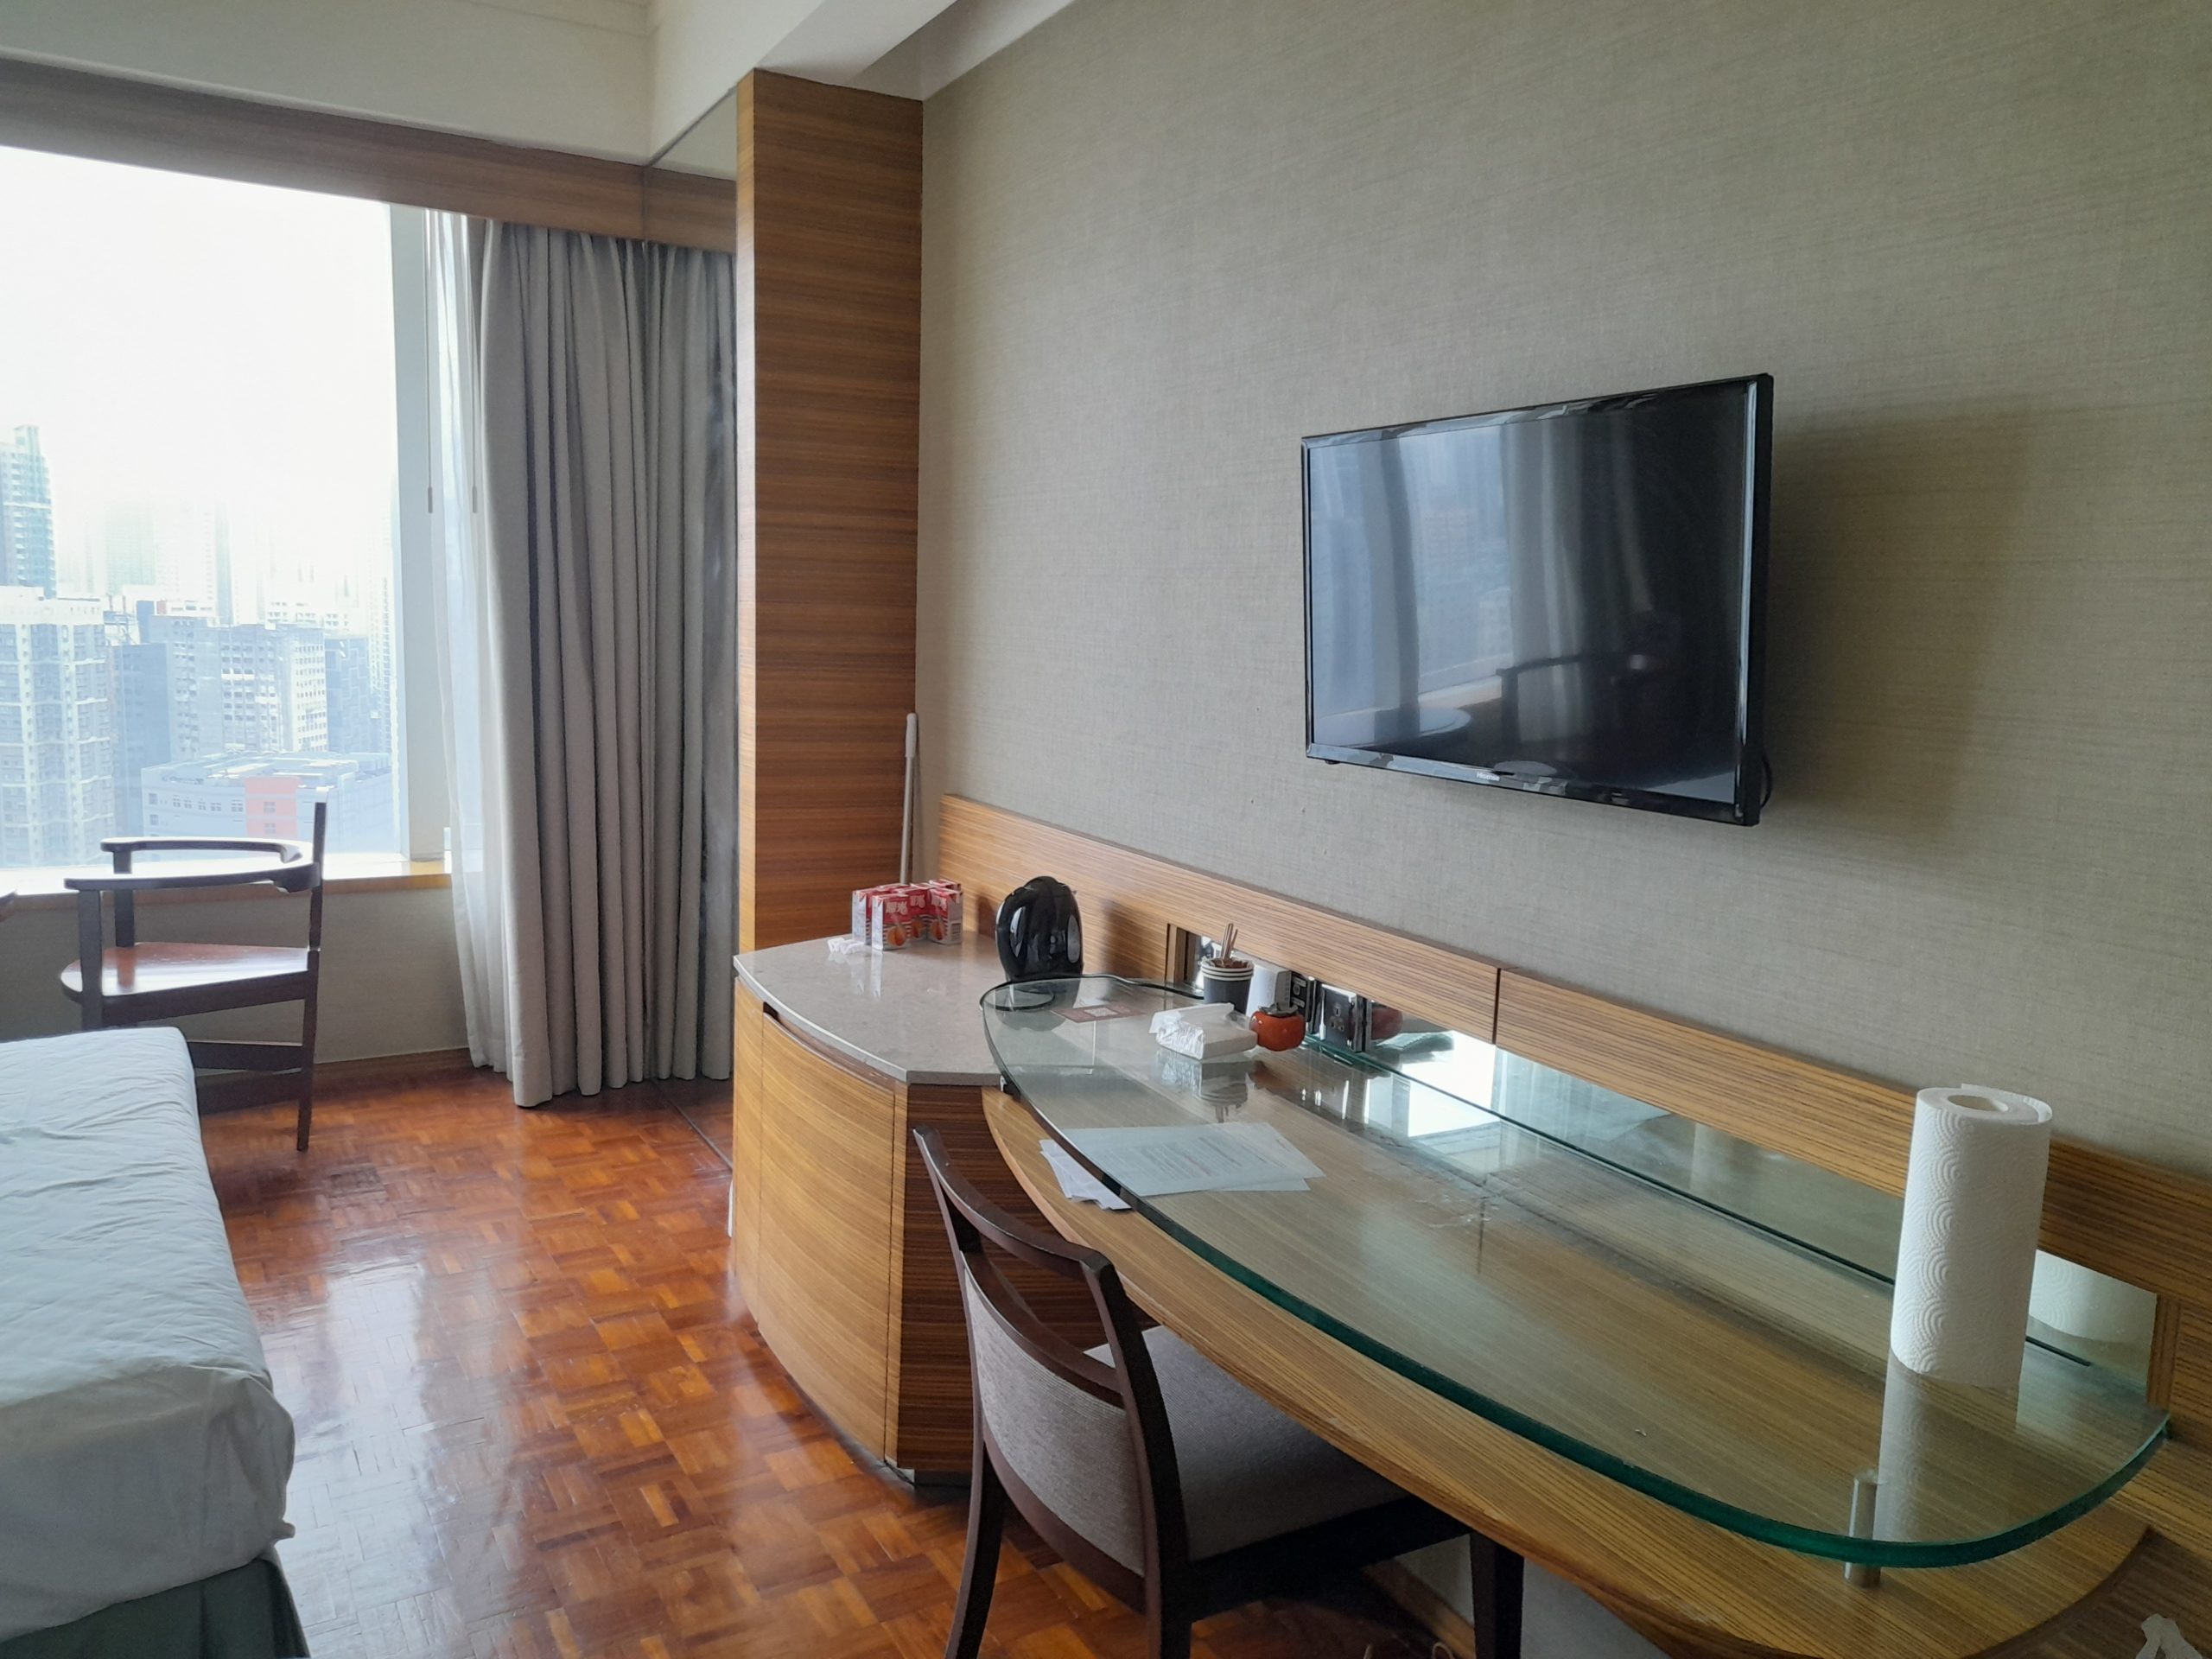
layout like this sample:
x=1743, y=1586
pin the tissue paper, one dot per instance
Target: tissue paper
x=1206, y=1042
x=1204, y=1031
x=1966, y=1255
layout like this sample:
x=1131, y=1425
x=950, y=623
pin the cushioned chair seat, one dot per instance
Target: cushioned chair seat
x=1248, y=1472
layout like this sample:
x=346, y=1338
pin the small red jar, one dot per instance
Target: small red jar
x=1280, y=1028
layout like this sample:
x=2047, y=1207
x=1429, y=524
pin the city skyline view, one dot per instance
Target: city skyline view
x=198, y=498
x=190, y=348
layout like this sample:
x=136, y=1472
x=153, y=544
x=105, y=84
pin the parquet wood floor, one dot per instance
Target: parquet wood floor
x=535, y=1420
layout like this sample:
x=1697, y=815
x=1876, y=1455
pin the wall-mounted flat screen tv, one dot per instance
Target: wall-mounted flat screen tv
x=1565, y=598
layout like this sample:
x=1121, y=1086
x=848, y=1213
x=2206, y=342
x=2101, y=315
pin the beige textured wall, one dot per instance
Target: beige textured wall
x=1972, y=239
x=390, y=975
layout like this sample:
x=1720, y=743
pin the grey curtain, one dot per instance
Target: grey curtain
x=608, y=688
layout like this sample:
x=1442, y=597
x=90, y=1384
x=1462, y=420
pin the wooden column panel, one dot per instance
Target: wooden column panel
x=829, y=313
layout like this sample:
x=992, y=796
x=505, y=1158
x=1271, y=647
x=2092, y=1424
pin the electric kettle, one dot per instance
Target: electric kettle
x=1040, y=931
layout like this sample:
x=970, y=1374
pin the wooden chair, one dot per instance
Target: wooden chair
x=137, y=984
x=1158, y=1476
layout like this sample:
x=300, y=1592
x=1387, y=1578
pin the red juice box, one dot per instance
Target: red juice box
x=944, y=907
x=932, y=922
x=864, y=917
x=891, y=920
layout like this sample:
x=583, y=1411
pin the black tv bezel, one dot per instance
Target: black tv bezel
x=1751, y=684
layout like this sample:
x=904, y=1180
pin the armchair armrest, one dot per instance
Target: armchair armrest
x=288, y=851
x=290, y=874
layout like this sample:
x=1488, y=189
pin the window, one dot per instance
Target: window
x=207, y=391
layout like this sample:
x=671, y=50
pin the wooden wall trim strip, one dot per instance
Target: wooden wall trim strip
x=688, y=210
x=1853, y=1126
x=1129, y=900
x=144, y=123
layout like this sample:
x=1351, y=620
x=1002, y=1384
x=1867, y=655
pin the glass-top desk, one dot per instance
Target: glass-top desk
x=1711, y=1330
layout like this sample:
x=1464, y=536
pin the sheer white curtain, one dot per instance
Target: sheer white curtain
x=587, y=630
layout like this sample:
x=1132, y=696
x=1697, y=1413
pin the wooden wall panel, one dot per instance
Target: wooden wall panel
x=1130, y=900
x=1853, y=1126
x=830, y=201
x=105, y=117
x=2176, y=1491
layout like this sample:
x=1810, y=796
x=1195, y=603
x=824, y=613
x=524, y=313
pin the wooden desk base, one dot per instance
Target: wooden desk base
x=1691, y=1587
x=839, y=1247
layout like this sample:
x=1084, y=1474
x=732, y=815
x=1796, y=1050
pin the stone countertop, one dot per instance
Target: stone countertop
x=910, y=1015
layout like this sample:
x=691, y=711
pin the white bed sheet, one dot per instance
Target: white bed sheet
x=140, y=1444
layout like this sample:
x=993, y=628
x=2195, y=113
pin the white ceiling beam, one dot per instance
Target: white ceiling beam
x=840, y=39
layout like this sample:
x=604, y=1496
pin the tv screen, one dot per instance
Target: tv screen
x=1565, y=598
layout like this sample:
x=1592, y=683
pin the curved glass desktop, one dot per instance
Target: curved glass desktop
x=1711, y=1328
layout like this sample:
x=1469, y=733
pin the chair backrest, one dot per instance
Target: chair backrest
x=315, y=865
x=1081, y=1444
x=291, y=872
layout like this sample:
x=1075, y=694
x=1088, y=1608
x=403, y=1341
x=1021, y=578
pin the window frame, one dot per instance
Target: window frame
x=418, y=715
x=422, y=802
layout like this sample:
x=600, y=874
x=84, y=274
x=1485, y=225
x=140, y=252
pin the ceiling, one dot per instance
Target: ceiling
x=631, y=80
x=951, y=40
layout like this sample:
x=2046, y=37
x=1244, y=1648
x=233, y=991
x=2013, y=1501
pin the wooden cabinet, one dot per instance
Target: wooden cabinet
x=822, y=1280
x=837, y=1242
x=745, y=1138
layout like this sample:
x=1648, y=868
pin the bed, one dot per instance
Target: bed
x=143, y=1455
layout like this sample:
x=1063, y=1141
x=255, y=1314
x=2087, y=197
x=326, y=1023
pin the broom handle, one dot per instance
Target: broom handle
x=907, y=802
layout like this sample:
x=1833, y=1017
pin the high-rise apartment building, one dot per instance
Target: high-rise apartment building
x=57, y=730
x=358, y=721
x=191, y=643
x=275, y=698
x=26, y=515
x=144, y=726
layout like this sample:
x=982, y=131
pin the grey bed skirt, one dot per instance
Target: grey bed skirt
x=245, y=1613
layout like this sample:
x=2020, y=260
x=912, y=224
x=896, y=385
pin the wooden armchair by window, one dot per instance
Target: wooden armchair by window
x=139, y=984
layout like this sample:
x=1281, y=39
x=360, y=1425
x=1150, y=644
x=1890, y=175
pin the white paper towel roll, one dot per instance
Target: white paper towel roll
x=1967, y=1255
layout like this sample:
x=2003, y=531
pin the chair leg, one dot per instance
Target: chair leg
x=1166, y=1628
x=1170, y=1605
x=1498, y=1599
x=307, y=1072
x=979, y=1573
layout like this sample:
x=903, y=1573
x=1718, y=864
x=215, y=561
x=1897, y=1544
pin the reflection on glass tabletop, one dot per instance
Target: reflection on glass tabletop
x=1701, y=1319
